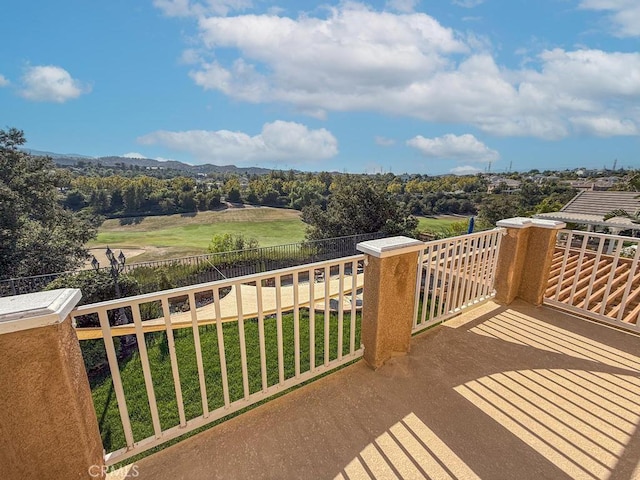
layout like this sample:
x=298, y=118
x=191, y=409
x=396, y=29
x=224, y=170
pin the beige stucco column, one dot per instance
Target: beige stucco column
x=390, y=275
x=524, y=261
x=48, y=426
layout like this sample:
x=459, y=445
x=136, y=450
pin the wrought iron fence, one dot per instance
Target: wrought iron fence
x=212, y=267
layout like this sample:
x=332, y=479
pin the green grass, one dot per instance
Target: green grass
x=437, y=224
x=133, y=379
x=180, y=235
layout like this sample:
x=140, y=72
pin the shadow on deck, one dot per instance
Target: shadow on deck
x=516, y=392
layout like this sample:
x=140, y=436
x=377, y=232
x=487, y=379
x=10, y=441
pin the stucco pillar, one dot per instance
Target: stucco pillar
x=390, y=275
x=525, y=257
x=48, y=426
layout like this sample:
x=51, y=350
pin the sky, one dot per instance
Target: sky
x=408, y=86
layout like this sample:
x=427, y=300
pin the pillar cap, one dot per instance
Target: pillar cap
x=389, y=247
x=33, y=310
x=525, y=222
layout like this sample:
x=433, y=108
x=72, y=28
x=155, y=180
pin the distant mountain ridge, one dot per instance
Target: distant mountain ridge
x=111, y=161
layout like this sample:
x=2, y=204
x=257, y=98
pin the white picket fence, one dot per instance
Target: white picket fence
x=597, y=275
x=329, y=288
x=264, y=333
x=454, y=274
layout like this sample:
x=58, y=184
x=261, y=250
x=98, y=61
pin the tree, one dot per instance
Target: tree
x=227, y=242
x=358, y=206
x=232, y=190
x=496, y=208
x=37, y=234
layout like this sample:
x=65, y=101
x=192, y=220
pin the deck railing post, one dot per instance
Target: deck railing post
x=49, y=426
x=524, y=260
x=390, y=275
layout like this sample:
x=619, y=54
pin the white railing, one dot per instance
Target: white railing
x=597, y=275
x=241, y=340
x=453, y=274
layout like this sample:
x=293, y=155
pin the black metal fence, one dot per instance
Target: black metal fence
x=179, y=272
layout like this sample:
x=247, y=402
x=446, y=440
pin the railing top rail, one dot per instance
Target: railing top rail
x=602, y=235
x=202, y=287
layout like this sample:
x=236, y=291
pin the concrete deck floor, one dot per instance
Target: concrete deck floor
x=514, y=392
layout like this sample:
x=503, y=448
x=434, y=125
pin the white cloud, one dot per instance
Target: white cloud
x=411, y=65
x=404, y=6
x=3, y=81
x=354, y=48
x=175, y=8
x=187, y=8
x=590, y=74
x=467, y=3
x=133, y=155
x=384, y=141
x=454, y=147
x=465, y=170
x=624, y=14
x=190, y=56
x=278, y=141
x=49, y=83
x=605, y=126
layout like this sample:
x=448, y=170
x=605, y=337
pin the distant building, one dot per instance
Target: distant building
x=600, y=184
x=507, y=185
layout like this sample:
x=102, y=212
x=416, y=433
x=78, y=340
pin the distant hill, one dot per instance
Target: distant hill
x=73, y=158
x=42, y=153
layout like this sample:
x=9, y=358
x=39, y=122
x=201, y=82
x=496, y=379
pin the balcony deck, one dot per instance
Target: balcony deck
x=500, y=392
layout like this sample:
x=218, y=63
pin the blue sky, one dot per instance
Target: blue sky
x=430, y=86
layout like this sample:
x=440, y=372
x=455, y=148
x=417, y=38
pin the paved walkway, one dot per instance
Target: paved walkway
x=499, y=393
x=229, y=306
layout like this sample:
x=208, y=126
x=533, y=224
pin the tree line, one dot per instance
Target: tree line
x=116, y=195
x=49, y=213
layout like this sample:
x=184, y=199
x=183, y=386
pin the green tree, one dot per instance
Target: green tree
x=496, y=208
x=227, y=242
x=74, y=200
x=213, y=199
x=358, y=206
x=37, y=234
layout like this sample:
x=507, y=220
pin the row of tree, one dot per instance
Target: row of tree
x=48, y=214
x=117, y=196
x=141, y=195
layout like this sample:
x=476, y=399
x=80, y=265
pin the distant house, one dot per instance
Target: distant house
x=540, y=178
x=507, y=185
x=582, y=185
x=600, y=184
x=589, y=207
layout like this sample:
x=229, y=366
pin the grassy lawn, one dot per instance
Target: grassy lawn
x=437, y=224
x=172, y=236
x=180, y=235
x=133, y=379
